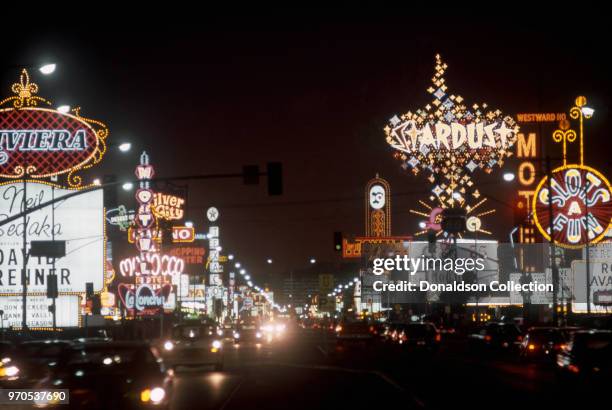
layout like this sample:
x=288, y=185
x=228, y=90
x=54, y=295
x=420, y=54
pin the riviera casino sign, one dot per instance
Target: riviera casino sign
x=41, y=142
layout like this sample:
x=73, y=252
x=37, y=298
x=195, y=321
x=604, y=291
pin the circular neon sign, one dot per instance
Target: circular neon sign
x=581, y=200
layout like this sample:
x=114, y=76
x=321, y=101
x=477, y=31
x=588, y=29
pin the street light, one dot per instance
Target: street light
x=247, y=277
x=587, y=112
x=97, y=181
x=237, y=265
x=313, y=260
x=509, y=176
x=230, y=257
x=47, y=69
x=63, y=109
x=422, y=225
x=125, y=146
x=128, y=186
x=269, y=261
x=189, y=224
x=242, y=271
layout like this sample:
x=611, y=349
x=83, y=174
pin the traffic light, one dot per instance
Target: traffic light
x=52, y=286
x=96, y=304
x=89, y=291
x=338, y=241
x=275, y=178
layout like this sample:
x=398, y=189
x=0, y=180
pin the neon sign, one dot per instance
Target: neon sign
x=578, y=196
x=168, y=207
x=145, y=298
x=450, y=139
x=42, y=142
x=151, y=264
x=581, y=206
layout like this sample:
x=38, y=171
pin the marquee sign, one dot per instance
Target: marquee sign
x=78, y=220
x=378, y=207
x=581, y=205
x=42, y=142
x=450, y=139
x=145, y=299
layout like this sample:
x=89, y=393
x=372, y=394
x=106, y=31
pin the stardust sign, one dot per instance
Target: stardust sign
x=78, y=220
x=41, y=142
x=451, y=138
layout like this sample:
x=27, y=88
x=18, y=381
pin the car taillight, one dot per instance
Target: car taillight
x=519, y=338
x=487, y=338
x=573, y=368
x=438, y=337
x=531, y=346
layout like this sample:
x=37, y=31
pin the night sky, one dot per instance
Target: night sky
x=315, y=94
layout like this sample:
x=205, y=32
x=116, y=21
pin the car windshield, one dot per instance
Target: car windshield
x=41, y=352
x=108, y=355
x=192, y=332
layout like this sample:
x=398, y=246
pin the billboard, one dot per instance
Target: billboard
x=78, y=220
x=67, y=307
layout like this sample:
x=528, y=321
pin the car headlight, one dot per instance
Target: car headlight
x=216, y=344
x=168, y=345
x=258, y=335
x=280, y=328
x=154, y=395
x=219, y=332
x=9, y=371
x=236, y=335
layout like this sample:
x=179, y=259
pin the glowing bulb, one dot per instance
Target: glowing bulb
x=47, y=69
x=97, y=181
x=189, y=224
x=422, y=225
x=587, y=112
x=63, y=109
x=125, y=147
x=127, y=186
x=508, y=176
x=313, y=260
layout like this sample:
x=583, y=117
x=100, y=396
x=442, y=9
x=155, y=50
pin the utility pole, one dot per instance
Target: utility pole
x=24, y=284
x=553, y=262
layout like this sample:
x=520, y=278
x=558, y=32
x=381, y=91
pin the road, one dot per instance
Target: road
x=305, y=371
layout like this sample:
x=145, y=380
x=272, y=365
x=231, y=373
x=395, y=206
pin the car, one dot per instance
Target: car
x=194, y=346
x=30, y=362
x=499, y=337
x=586, y=360
x=544, y=343
x=353, y=334
x=419, y=336
x=111, y=375
x=249, y=333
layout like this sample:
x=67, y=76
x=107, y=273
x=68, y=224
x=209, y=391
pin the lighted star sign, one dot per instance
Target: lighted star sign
x=450, y=139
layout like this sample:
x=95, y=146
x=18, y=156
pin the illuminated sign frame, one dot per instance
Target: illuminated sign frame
x=26, y=130
x=569, y=200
